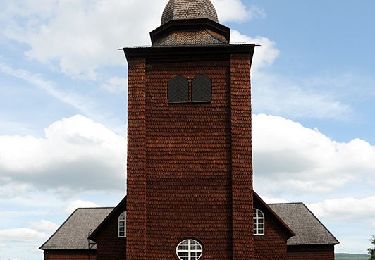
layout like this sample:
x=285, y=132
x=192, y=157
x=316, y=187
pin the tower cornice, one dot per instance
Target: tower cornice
x=184, y=52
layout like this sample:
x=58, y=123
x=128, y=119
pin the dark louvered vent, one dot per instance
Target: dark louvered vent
x=201, y=90
x=178, y=90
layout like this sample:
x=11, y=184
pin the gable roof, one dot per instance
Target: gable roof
x=73, y=233
x=88, y=222
x=116, y=211
x=307, y=227
x=283, y=224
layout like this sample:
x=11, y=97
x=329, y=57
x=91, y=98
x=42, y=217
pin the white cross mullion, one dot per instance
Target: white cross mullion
x=189, y=249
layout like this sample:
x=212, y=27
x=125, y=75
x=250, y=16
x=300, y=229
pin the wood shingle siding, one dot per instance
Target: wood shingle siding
x=273, y=245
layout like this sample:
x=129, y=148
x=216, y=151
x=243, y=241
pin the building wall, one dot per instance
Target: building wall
x=241, y=157
x=188, y=163
x=136, y=172
x=195, y=170
x=109, y=245
x=273, y=245
x=311, y=252
x=69, y=255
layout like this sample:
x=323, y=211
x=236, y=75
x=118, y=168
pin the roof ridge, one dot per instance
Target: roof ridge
x=96, y=208
x=283, y=203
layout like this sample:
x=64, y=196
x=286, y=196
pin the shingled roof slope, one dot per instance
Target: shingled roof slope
x=308, y=229
x=121, y=207
x=74, y=231
x=258, y=200
x=189, y=9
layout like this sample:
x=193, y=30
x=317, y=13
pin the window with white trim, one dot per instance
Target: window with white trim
x=189, y=250
x=258, y=222
x=122, y=225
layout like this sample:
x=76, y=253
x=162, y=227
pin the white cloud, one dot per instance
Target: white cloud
x=20, y=235
x=18, y=241
x=352, y=219
x=290, y=157
x=116, y=85
x=237, y=11
x=264, y=55
x=295, y=98
x=75, y=153
x=80, y=204
x=26, y=8
x=348, y=208
x=12, y=190
x=44, y=226
x=273, y=200
x=82, y=36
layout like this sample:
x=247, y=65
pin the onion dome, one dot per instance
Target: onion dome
x=189, y=9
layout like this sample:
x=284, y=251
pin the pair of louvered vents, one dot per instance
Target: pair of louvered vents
x=178, y=89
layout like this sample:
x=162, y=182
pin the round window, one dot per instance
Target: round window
x=189, y=250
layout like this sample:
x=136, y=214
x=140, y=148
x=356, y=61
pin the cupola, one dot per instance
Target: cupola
x=189, y=9
x=190, y=22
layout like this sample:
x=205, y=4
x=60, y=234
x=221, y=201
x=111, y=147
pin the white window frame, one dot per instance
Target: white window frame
x=121, y=222
x=193, y=246
x=259, y=225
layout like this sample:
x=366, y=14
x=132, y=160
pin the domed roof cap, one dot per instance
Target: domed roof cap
x=189, y=9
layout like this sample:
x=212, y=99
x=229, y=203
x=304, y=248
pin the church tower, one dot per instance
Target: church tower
x=189, y=193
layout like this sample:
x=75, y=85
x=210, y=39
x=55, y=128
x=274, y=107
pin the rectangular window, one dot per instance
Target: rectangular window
x=122, y=225
x=258, y=218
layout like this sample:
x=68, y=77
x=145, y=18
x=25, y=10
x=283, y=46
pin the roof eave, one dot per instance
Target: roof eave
x=190, y=24
x=314, y=244
x=188, y=51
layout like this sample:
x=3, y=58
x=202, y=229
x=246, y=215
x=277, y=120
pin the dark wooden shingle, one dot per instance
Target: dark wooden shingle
x=73, y=233
x=189, y=9
x=308, y=229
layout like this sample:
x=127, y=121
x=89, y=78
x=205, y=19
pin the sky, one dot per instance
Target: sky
x=63, y=109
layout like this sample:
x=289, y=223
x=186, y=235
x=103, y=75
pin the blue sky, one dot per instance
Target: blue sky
x=63, y=109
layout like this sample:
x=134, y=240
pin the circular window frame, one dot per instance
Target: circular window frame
x=189, y=250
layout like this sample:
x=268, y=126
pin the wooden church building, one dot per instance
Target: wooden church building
x=189, y=169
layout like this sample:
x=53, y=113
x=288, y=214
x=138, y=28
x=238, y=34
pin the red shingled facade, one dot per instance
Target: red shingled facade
x=110, y=246
x=137, y=179
x=273, y=244
x=70, y=255
x=189, y=166
x=311, y=252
